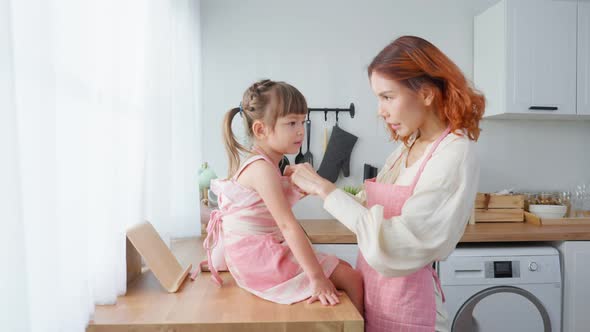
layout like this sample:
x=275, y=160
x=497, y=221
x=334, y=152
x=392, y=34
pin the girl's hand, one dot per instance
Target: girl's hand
x=324, y=291
x=305, y=178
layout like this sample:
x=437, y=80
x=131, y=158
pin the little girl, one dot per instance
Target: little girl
x=266, y=250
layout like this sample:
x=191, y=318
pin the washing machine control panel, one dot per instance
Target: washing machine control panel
x=502, y=269
x=466, y=268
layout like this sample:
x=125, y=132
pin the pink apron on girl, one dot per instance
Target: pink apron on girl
x=254, y=248
x=401, y=303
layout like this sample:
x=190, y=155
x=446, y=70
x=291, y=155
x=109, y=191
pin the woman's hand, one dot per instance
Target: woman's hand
x=306, y=178
x=324, y=291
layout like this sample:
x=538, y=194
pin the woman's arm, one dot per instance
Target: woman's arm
x=306, y=178
x=263, y=178
x=432, y=220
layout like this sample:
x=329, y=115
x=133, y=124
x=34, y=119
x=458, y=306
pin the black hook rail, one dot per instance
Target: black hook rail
x=350, y=110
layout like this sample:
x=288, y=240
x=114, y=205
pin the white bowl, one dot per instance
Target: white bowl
x=548, y=211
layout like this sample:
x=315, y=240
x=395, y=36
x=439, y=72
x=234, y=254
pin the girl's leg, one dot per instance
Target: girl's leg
x=349, y=280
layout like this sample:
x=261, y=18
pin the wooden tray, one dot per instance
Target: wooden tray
x=536, y=220
x=491, y=201
x=498, y=208
x=499, y=215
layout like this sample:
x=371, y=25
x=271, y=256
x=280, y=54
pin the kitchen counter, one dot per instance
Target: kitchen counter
x=331, y=231
x=202, y=306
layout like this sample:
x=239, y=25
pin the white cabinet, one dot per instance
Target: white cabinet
x=525, y=55
x=584, y=57
x=575, y=256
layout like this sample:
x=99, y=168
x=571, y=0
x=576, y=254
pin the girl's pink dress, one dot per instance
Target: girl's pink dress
x=255, y=251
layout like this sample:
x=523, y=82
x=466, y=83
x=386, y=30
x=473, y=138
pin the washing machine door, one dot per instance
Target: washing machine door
x=502, y=308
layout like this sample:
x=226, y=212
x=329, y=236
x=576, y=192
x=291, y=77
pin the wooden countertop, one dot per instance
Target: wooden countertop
x=331, y=231
x=202, y=306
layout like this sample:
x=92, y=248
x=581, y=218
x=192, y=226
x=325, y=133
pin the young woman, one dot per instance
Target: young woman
x=415, y=211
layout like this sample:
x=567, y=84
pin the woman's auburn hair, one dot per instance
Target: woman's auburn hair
x=417, y=64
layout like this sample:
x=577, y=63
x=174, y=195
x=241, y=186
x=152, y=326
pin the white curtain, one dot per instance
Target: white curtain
x=99, y=127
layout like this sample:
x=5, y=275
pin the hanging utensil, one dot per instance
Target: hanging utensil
x=325, y=130
x=299, y=159
x=308, y=157
x=283, y=163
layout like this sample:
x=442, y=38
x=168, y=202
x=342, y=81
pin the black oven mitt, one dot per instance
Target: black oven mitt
x=337, y=155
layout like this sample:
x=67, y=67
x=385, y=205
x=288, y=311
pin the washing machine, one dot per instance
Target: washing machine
x=502, y=288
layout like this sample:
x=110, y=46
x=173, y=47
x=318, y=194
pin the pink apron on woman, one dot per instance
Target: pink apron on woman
x=254, y=248
x=401, y=303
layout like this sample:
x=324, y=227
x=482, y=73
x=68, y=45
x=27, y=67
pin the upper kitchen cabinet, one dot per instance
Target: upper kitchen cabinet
x=525, y=57
x=584, y=57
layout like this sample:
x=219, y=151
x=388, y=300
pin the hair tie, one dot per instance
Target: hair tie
x=241, y=109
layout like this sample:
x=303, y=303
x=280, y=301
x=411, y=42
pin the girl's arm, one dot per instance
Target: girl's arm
x=263, y=178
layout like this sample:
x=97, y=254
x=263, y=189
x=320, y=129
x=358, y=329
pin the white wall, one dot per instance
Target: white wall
x=324, y=47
